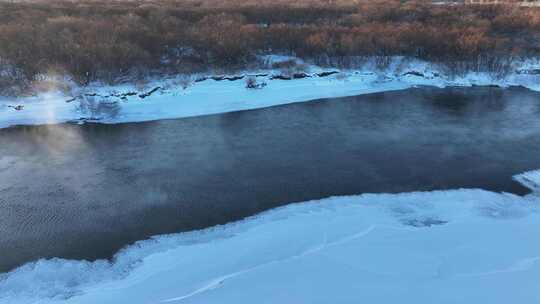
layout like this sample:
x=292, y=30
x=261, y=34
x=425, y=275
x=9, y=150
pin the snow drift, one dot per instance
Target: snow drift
x=459, y=246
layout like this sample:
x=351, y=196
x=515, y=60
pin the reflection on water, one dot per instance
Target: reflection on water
x=86, y=191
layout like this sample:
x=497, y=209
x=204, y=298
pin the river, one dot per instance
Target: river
x=86, y=191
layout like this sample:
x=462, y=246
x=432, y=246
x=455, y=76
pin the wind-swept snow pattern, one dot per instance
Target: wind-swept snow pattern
x=459, y=246
x=165, y=98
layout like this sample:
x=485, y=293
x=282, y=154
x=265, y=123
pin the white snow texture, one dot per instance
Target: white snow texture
x=458, y=246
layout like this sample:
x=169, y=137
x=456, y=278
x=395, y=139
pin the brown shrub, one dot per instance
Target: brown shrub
x=98, y=40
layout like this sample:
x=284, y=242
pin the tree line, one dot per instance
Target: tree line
x=107, y=41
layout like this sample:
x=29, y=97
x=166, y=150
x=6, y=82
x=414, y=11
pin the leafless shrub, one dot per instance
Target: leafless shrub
x=185, y=81
x=98, y=108
x=287, y=64
x=141, y=85
x=382, y=62
x=252, y=83
x=99, y=41
x=291, y=70
x=52, y=81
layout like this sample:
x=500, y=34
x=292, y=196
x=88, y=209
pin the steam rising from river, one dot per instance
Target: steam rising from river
x=375, y=236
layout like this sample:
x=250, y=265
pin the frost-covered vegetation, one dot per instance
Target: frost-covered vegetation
x=127, y=40
x=97, y=108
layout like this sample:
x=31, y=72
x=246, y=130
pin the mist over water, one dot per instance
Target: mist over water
x=83, y=192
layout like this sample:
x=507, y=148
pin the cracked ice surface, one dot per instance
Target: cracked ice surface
x=459, y=246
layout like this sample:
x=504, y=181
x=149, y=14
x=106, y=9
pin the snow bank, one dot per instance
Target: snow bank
x=210, y=96
x=460, y=246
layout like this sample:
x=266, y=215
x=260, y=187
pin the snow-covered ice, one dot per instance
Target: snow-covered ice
x=211, y=96
x=458, y=246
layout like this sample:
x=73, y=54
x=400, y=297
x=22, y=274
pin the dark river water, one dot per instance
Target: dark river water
x=84, y=192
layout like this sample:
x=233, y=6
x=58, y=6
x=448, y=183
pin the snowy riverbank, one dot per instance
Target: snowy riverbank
x=164, y=99
x=467, y=246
